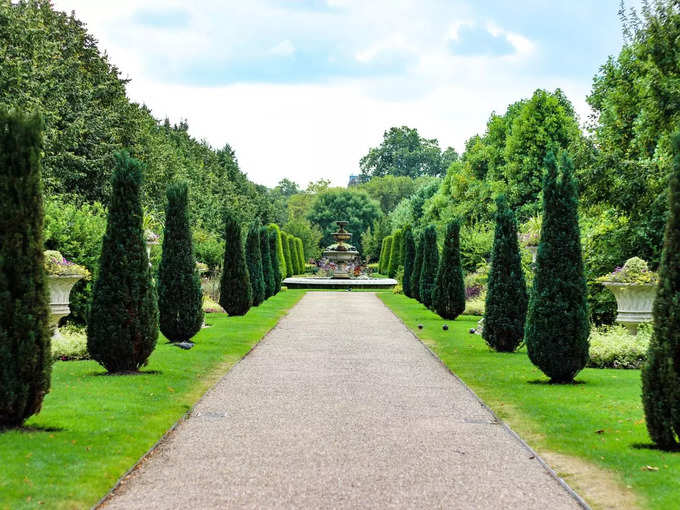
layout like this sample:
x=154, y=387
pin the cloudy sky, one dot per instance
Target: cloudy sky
x=302, y=88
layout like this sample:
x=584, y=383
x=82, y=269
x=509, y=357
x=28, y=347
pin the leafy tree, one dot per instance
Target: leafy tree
x=274, y=248
x=267, y=270
x=409, y=256
x=557, y=326
x=356, y=207
x=448, y=295
x=372, y=239
x=661, y=373
x=287, y=255
x=123, y=325
x=404, y=152
x=180, y=298
x=389, y=190
x=309, y=234
x=417, y=269
x=385, y=257
x=254, y=260
x=25, y=357
x=429, y=267
x=236, y=291
x=279, y=250
x=506, y=298
x=396, y=259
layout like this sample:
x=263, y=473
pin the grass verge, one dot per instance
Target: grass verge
x=94, y=427
x=598, y=422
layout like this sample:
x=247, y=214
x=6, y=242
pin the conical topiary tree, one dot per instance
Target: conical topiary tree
x=430, y=266
x=279, y=250
x=448, y=297
x=294, y=258
x=274, y=245
x=25, y=357
x=301, y=253
x=267, y=271
x=123, y=325
x=409, y=256
x=287, y=255
x=557, y=326
x=395, y=252
x=506, y=297
x=381, y=257
x=236, y=291
x=661, y=372
x=254, y=261
x=180, y=298
x=417, y=269
x=385, y=264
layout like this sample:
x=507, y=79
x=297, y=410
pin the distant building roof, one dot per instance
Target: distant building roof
x=353, y=180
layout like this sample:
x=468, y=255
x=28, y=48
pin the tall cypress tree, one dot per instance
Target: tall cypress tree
x=274, y=245
x=417, y=269
x=388, y=251
x=123, y=325
x=661, y=373
x=301, y=253
x=287, y=255
x=430, y=266
x=381, y=258
x=236, y=292
x=279, y=251
x=294, y=257
x=25, y=357
x=557, y=325
x=267, y=271
x=409, y=256
x=506, y=298
x=254, y=260
x=395, y=253
x=180, y=298
x=448, y=297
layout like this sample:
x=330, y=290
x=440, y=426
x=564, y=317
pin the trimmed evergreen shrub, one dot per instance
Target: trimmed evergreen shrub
x=385, y=264
x=236, y=292
x=381, y=257
x=557, y=326
x=279, y=250
x=294, y=257
x=254, y=261
x=25, y=355
x=267, y=271
x=395, y=252
x=661, y=373
x=506, y=297
x=180, y=298
x=301, y=254
x=409, y=259
x=287, y=255
x=430, y=266
x=417, y=269
x=274, y=245
x=448, y=298
x=123, y=324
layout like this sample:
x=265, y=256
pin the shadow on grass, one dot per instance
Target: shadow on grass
x=126, y=373
x=31, y=429
x=655, y=447
x=548, y=382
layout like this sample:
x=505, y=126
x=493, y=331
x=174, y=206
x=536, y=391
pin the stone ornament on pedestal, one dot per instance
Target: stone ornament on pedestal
x=634, y=302
x=60, y=297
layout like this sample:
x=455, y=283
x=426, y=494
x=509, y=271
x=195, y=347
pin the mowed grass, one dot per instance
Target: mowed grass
x=599, y=420
x=94, y=427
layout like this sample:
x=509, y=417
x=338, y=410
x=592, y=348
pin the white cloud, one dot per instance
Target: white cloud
x=283, y=49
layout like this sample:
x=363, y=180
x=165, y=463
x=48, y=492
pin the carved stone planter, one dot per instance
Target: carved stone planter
x=60, y=297
x=634, y=302
x=534, y=251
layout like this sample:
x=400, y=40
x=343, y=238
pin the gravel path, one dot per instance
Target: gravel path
x=340, y=407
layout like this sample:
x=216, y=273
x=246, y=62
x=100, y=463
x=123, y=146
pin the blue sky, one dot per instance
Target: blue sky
x=302, y=88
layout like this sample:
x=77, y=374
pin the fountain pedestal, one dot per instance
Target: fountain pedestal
x=341, y=254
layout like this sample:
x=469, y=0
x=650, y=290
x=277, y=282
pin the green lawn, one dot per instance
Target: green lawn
x=94, y=427
x=599, y=420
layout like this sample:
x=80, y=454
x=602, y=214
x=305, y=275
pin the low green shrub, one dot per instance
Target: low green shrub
x=476, y=305
x=71, y=344
x=210, y=306
x=615, y=347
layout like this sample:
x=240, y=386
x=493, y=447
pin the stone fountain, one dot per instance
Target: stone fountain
x=341, y=254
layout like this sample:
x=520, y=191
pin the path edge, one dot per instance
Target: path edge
x=188, y=413
x=581, y=502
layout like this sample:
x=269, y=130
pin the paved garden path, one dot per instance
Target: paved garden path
x=340, y=407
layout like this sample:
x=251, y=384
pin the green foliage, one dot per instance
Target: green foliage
x=267, y=269
x=476, y=243
x=448, y=295
x=417, y=269
x=429, y=266
x=557, y=325
x=71, y=344
x=274, y=239
x=661, y=373
x=403, y=152
x=409, y=256
x=385, y=255
x=615, y=347
x=301, y=253
x=254, y=260
x=236, y=291
x=180, y=298
x=208, y=248
x=309, y=234
x=25, y=357
x=396, y=254
x=635, y=270
x=287, y=255
x=355, y=207
x=279, y=249
x=506, y=299
x=123, y=324
x=389, y=190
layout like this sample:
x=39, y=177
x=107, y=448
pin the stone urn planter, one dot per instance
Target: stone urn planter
x=534, y=251
x=634, y=302
x=150, y=239
x=60, y=297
